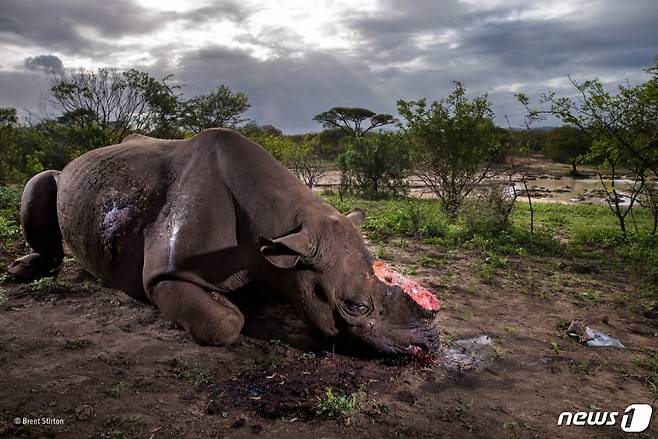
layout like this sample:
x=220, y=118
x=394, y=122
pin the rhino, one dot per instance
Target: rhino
x=184, y=223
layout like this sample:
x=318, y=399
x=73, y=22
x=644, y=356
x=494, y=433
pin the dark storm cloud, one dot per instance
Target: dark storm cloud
x=285, y=92
x=45, y=63
x=66, y=26
x=83, y=27
x=491, y=51
x=404, y=50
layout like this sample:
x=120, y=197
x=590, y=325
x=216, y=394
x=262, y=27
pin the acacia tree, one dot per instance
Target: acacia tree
x=219, y=109
x=108, y=104
x=351, y=119
x=623, y=129
x=454, y=144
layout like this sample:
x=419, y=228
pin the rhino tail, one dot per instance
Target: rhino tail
x=40, y=229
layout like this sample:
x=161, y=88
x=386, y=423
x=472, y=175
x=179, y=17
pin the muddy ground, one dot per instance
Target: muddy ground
x=111, y=367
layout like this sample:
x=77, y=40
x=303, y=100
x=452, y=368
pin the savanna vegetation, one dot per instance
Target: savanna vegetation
x=502, y=265
x=452, y=145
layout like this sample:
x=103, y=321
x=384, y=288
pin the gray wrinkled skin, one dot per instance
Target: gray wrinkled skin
x=169, y=221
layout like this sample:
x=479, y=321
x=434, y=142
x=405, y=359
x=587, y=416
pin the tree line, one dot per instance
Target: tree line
x=452, y=145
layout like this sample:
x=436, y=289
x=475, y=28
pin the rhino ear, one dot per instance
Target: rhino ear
x=357, y=216
x=287, y=250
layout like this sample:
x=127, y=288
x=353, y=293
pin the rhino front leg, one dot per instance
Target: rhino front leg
x=209, y=321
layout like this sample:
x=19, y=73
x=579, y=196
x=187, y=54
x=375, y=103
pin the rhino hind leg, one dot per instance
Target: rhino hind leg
x=40, y=229
x=210, y=321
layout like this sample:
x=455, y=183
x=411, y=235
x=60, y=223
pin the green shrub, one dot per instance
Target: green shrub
x=336, y=405
x=489, y=211
x=10, y=201
x=375, y=166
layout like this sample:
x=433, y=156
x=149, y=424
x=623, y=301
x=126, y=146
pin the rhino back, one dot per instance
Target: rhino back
x=108, y=197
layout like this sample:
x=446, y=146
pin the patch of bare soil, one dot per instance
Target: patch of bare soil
x=110, y=367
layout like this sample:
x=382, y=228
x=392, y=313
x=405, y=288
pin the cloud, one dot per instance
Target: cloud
x=295, y=61
x=285, y=92
x=45, y=63
x=23, y=90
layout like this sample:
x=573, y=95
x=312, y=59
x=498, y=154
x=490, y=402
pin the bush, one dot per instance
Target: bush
x=489, y=211
x=10, y=201
x=375, y=166
x=455, y=144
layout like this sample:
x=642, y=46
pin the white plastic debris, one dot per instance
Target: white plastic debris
x=599, y=339
x=592, y=337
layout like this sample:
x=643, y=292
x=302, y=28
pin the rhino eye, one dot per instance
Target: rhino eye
x=357, y=307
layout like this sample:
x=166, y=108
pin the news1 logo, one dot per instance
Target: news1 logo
x=636, y=418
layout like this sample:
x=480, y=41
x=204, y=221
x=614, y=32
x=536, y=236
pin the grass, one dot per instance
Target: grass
x=650, y=364
x=589, y=231
x=192, y=373
x=333, y=405
x=118, y=389
x=48, y=285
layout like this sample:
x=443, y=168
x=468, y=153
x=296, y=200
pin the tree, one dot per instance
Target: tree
x=454, y=144
x=254, y=131
x=8, y=121
x=219, y=109
x=376, y=165
x=567, y=144
x=351, y=119
x=107, y=105
x=300, y=155
x=305, y=162
x=623, y=129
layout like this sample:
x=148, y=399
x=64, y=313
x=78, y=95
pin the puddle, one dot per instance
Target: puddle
x=544, y=188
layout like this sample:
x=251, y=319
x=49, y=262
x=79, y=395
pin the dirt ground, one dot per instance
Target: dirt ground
x=110, y=367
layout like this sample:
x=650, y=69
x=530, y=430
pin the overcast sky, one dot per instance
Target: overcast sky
x=295, y=59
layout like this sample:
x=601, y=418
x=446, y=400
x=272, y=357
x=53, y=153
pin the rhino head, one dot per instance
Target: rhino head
x=326, y=272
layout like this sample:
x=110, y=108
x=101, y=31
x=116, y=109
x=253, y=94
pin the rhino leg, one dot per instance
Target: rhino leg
x=40, y=228
x=210, y=321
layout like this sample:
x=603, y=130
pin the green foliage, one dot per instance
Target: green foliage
x=375, y=166
x=455, y=144
x=100, y=108
x=622, y=128
x=336, y=405
x=300, y=154
x=650, y=363
x=219, y=109
x=118, y=389
x=489, y=211
x=191, y=373
x=279, y=145
x=530, y=140
x=305, y=162
x=567, y=144
x=8, y=121
x=48, y=285
x=561, y=230
x=10, y=198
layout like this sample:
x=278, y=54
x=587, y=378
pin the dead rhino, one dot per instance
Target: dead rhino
x=171, y=221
